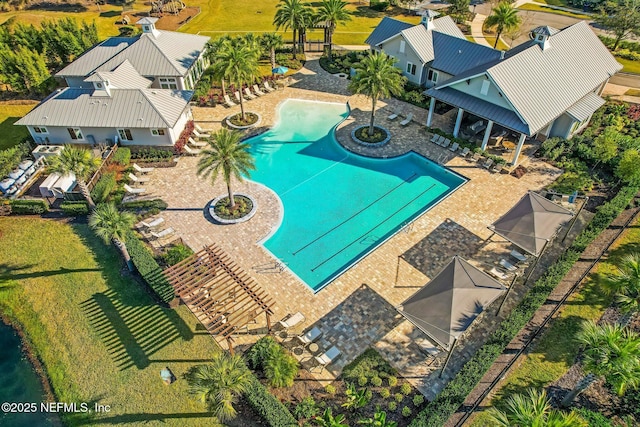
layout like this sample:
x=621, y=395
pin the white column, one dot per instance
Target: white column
x=432, y=107
x=518, y=149
x=487, y=134
x=456, y=129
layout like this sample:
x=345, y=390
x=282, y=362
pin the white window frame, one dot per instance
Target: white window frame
x=77, y=132
x=484, y=90
x=402, y=46
x=158, y=132
x=411, y=68
x=168, y=82
x=40, y=129
x=123, y=131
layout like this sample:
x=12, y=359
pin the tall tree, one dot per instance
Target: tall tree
x=533, y=409
x=459, y=9
x=226, y=155
x=213, y=48
x=605, y=145
x=219, y=384
x=628, y=169
x=333, y=12
x=621, y=17
x=292, y=14
x=624, y=283
x=112, y=225
x=81, y=163
x=270, y=42
x=376, y=77
x=504, y=17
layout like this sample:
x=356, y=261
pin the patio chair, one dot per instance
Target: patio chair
x=198, y=128
x=446, y=143
x=497, y=168
x=292, y=320
x=487, y=164
x=407, y=120
x=164, y=233
x=197, y=144
x=440, y=140
x=507, y=265
x=465, y=152
x=498, y=274
x=141, y=169
x=200, y=134
x=475, y=157
x=257, y=90
x=268, y=87
x=394, y=115
x=152, y=224
x=236, y=95
x=136, y=179
x=191, y=151
x=228, y=102
x=134, y=190
x=454, y=147
x=310, y=336
x=327, y=357
x=248, y=94
x=435, y=137
x=517, y=255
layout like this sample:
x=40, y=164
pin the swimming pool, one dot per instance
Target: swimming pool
x=338, y=206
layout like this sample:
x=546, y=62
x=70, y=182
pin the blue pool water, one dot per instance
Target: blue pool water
x=338, y=206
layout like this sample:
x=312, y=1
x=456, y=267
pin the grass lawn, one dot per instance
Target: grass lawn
x=501, y=45
x=99, y=335
x=10, y=112
x=562, y=3
x=538, y=8
x=555, y=352
x=629, y=66
x=632, y=92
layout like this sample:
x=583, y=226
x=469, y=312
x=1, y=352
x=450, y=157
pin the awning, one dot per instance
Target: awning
x=585, y=107
x=448, y=304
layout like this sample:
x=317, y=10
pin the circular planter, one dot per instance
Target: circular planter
x=247, y=217
x=231, y=125
x=370, y=144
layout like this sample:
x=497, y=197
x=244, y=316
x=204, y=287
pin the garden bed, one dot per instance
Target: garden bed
x=244, y=209
x=380, y=136
x=235, y=121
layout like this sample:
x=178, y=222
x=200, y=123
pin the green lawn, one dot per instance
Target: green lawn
x=629, y=66
x=538, y=8
x=10, y=135
x=501, y=45
x=555, y=352
x=99, y=335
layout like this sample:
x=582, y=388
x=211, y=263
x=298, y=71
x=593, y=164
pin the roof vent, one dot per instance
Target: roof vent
x=154, y=92
x=541, y=35
x=427, y=18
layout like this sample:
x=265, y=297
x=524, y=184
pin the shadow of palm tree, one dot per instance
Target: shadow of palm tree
x=10, y=271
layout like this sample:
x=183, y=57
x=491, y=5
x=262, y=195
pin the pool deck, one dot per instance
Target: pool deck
x=357, y=309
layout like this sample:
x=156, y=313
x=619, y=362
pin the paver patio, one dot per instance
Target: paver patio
x=347, y=319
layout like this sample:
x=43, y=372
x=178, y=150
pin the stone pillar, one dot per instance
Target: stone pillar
x=432, y=107
x=518, y=149
x=456, y=129
x=487, y=134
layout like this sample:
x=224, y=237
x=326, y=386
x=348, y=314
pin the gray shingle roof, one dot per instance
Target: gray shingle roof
x=91, y=59
x=584, y=108
x=123, y=77
x=455, y=55
x=388, y=27
x=130, y=108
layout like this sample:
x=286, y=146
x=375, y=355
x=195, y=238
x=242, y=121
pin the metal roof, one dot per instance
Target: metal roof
x=387, y=28
x=92, y=58
x=449, y=303
x=545, y=30
x=148, y=20
x=584, y=108
x=124, y=108
x=123, y=77
x=455, y=55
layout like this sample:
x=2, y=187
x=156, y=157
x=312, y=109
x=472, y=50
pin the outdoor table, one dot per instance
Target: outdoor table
x=508, y=145
x=313, y=347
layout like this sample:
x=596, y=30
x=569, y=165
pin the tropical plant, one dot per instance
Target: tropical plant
x=504, y=17
x=611, y=351
x=213, y=48
x=259, y=352
x=306, y=409
x=624, y=283
x=328, y=420
x=219, y=383
x=280, y=368
x=270, y=42
x=333, y=12
x=81, y=163
x=627, y=169
x=112, y=225
x=226, y=155
x=533, y=409
x=379, y=420
x=376, y=77
x=294, y=15
x=356, y=398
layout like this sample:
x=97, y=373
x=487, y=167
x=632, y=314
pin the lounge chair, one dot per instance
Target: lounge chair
x=236, y=95
x=488, y=163
x=268, y=87
x=228, y=102
x=141, y=169
x=310, y=336
x=134, y=190
x=164, y=233
x=191, y=151
x=198, y=128
x=327, y=357
x=152, y=224
x=137, y=179
x=517, y=255
x=248, y=94
x=197, y=144
x=446, y=143
x=507, y=265
x=497, y=168
x=440, y=140
x=257, y=90
x=454, y=147
x=435, y=137
x=407, y=120
x=475, y=157
x=465, y=152
x=498, y=274
x=394, y=115
x=200, y=134
x=292, y=320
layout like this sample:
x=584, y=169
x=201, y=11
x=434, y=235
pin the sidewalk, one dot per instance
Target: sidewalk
x=476, y=30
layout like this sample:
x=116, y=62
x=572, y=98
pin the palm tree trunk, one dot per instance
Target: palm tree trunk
x=241, y=102
x=125, y=253
x=330, y=40
x=579, y=388
x=373, y=115
x=86, y=194
x=224, y=91
x=273, y=58
x=232, y=202
x=294, y=43
x=497, y=38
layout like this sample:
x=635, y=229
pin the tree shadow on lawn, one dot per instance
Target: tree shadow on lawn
x=145, y=418
x=8, y=271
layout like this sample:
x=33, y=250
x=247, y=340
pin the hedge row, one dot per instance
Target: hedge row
x=149, y=268
x=267, y=406
x=75, y=208
x=145, y=204
x=28, y=207
x=438, y=411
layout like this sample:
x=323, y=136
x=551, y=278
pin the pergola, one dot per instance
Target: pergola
x=219, y=293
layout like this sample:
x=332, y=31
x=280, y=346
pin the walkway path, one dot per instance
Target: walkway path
x=476, y=30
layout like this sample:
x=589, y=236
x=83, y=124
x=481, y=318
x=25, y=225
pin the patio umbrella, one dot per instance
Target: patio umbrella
x=280, y=70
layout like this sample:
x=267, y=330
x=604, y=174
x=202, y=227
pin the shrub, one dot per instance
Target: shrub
x=148, y=268
x=368, y=364
x=151, y=154
x=594, y=419
x=280, y=367
x=418, y=400
x=330, y=389
x=376, y=381
x=380, y=6
x=393, y=381
x=356, y=398
x=405, y=389
x=267, y=406
x=145, y=204
x=177, y=253
x=28, y=207
x=406, y=411
x=306, y=409
x=75, y=208
x=393, y=405
x=103, y=188
x=362, y=381
x=122, y=156
x=398, y=397
x=287, y=61
x=259, y=352
x=384, y=393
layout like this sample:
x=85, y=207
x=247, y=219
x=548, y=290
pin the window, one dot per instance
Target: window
x=75, y=133
x=125, y=134
x=168, y=83
x=432, y=76
x=157, y=132
x=38, y=129
x=411, y=68
x=402, y=44
x=485, y=87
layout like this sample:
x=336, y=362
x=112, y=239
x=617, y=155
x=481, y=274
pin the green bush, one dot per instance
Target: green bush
x=406, y=411
x=177, y=253
x=368, y=364
x=122, y=156
x=267, y=406
x=398, y=397
x=330, y=389
x=148, y=268
x=151, y=154
x=405, y=389
x=75, y=208
x=393, y=405
x=28, y=207
x=287, y=61
x=376, y=381
x=103, y=188
x=280, y=367
x=384, y=393
x=393, y=381
x=305, y=409
x=259, y=351
x=145, y=205
x=362, y=381
x=379, y=6
x=594, y=419
x=418, y=400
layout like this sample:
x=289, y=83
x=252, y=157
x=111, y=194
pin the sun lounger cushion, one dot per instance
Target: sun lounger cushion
x=141, y=169
x=517, y=255
x=329, y=356
x=407, y=120
x=506, y=264
x=311, y=335
x=292, y=321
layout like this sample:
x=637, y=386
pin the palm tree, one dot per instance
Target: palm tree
x=625, y=283
x=237, y=61
x=219, y=383
x=610, y=351
x=333, y=12
x=533, y=409
x=213, y=48
x=112, y=226
x=504, y=17
x=226, y=154
x=379, y=420
x=81, y=163
x=376, y=77
x=328, y=420
x=292, y=14
x=270, y=42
